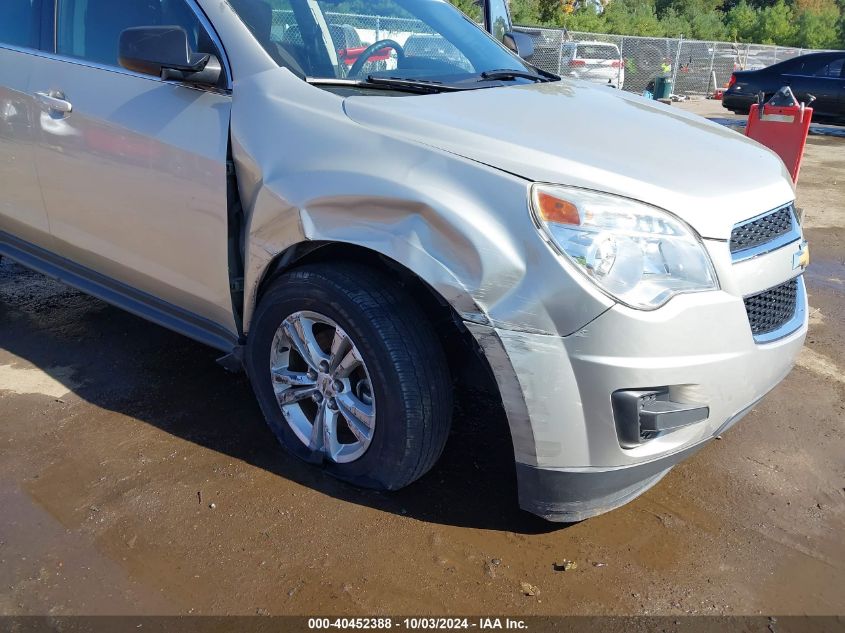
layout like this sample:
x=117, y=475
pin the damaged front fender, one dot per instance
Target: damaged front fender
x=307, y=172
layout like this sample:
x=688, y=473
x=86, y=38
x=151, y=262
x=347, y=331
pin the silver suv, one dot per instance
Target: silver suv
x=352, y=225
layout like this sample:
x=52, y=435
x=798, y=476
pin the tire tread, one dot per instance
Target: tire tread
x=412, y=346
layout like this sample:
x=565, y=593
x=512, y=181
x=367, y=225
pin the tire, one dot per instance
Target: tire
x=403, y=367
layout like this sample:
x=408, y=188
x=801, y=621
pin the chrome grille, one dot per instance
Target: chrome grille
x=773, y=308
x=761, y=230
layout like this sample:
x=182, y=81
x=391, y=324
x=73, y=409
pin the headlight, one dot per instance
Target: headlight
x=639, y=255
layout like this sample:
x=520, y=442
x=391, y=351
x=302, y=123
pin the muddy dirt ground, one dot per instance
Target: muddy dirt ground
x=136, y=476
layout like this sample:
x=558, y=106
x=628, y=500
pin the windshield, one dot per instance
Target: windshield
x=418, y=40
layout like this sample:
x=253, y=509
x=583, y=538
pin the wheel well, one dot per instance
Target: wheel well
x=467, y=363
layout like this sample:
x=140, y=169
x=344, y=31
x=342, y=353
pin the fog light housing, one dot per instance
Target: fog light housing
x=643, y=414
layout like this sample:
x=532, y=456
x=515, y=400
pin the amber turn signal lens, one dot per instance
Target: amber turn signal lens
x=556, y=210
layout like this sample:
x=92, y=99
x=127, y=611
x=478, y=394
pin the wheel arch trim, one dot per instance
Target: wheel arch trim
x=396, y=249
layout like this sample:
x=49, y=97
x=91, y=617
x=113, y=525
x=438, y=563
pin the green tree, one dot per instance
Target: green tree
x=632, y=17
x=776, y=25
x=818, y=30
x=472, y=8
x=741, y=22
x=818, y=22
x=548, y=11
x=586, y=19
x=674, y=24
x=707, y=25
x=524, y=11
x=807, y=23
x=841, y=4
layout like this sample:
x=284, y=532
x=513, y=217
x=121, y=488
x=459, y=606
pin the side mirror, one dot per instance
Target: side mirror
x=164, y=51
x=519, y=43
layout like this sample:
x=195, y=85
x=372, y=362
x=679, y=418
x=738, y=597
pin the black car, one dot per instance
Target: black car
x=821, y=75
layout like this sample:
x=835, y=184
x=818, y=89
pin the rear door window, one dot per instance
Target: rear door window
x=19, y=22
x=790, y=66
x=835, y=69
x=807, y=67
x=90, y=29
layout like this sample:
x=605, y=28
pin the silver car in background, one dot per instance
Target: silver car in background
x=599, y=62
x=355, y=234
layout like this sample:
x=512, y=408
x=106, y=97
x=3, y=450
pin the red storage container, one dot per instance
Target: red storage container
x=783, y=129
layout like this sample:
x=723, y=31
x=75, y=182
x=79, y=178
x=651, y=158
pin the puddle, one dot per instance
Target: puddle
x=47, y=568
x=826, y=274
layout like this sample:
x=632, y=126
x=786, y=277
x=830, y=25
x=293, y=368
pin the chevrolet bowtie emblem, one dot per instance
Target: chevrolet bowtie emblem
x=801, y=258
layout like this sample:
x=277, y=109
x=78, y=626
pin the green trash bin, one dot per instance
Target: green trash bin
x=662, y=87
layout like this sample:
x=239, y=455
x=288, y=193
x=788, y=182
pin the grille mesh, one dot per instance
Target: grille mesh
x=761, y=230
x=771, y=309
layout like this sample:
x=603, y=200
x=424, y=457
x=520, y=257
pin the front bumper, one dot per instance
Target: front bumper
x=557, y=394
x=569, y=495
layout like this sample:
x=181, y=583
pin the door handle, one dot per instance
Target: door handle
x=55, y=101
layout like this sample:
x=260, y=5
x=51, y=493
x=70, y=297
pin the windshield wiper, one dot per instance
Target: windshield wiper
x=433, y=86
x=424, y=86
x=508, y=73
x=418, y=86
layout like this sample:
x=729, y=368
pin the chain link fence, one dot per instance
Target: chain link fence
x=693, y=65
x=630, y=62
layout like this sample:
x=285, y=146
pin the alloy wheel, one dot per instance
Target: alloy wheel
x=322, y=386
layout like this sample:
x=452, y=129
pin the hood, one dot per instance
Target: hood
x=584, y=135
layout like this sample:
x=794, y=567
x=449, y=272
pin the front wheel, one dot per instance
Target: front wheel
x=349, y=374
